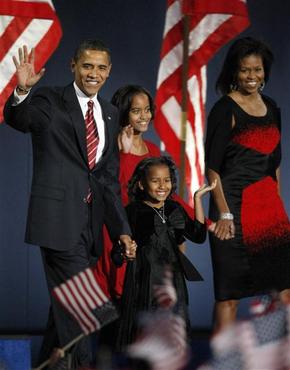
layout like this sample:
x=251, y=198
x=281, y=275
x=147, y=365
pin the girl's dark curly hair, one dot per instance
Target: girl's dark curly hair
x=240, y=49
x=123, y=97
x=141, y=173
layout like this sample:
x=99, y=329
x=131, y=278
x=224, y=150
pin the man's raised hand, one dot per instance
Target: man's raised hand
x=26, y=75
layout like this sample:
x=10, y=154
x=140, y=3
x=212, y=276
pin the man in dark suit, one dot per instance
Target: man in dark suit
x=74, y=192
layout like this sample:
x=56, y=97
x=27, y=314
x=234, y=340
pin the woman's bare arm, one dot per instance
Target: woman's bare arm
x=224, y=228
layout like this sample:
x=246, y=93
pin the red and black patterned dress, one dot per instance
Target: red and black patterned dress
x=246, y=157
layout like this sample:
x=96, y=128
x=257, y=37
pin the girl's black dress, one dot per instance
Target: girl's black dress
x=246, y=157
x=157, y=247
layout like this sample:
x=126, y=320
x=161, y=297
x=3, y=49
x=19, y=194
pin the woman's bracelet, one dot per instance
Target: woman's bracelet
x=226, y=216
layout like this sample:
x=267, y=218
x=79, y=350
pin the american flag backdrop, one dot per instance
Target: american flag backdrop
x=33, y=23
x=212, y=24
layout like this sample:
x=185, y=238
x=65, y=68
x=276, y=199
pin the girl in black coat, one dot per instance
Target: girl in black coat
x=159, y=225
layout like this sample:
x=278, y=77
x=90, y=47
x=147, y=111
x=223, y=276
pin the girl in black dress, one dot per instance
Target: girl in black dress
x=159, y=225
x=251, y=243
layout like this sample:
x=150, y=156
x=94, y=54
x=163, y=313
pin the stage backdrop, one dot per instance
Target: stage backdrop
x=133, y=29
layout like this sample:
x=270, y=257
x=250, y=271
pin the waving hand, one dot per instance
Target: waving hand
x=26, y=75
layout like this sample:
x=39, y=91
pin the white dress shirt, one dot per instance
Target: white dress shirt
x=83, y=100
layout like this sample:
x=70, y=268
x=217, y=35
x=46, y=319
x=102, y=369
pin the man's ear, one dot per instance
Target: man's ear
x=141, y=187
x=72, y=65
x=109, y=69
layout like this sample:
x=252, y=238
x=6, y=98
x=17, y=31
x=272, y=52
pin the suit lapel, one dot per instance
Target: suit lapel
x=74, y=110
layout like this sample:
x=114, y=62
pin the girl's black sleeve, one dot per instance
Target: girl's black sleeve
x=194, y=230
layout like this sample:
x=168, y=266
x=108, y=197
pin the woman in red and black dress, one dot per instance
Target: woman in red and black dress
x=251, y=243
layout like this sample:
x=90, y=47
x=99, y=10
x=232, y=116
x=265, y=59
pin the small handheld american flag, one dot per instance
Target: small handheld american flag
x=83, y=298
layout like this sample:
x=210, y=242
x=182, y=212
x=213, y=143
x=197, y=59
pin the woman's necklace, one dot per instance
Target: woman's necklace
x=159, y=212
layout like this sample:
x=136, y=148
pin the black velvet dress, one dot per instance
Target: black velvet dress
x=246, y=157
x=157, y=247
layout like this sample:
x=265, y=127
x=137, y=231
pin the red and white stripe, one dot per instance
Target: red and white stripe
x=22, y=22
x=80, y=295
x=254, y=341
x=212, y=24
x=91, y=135
x=165, y=293
x=162, y=341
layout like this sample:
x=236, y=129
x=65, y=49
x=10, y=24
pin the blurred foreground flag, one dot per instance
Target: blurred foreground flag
x=260, y=343
x=194, y=31
x=83, y=298
x=22, y=22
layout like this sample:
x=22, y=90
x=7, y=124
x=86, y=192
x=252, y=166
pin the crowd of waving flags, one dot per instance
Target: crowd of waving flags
x=262, y=342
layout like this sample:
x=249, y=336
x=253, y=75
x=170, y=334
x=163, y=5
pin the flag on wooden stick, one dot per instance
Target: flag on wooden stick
x=83, y=298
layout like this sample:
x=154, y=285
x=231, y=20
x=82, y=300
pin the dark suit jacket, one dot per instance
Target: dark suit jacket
x=61, y=176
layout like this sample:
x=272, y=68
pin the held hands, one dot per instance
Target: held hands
x=125, y=139
x=129, y=247
x=26, y=76
x=224, y=229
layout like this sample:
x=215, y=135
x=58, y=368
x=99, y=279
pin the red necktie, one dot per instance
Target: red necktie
x=92, y=134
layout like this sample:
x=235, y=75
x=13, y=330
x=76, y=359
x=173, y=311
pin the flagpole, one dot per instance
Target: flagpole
x=184, y=98
x=65, y=348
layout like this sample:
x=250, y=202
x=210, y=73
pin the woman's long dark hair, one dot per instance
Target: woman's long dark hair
x=141, y=172
x=240, y=49
x=123, y=97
